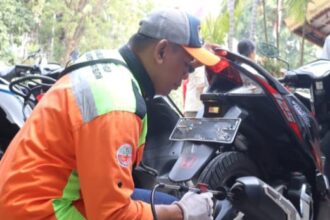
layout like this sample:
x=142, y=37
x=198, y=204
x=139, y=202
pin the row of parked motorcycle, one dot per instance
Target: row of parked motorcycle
x=260, y=144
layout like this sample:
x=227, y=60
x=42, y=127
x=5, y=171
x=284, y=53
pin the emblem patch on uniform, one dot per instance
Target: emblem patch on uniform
x=124, y=155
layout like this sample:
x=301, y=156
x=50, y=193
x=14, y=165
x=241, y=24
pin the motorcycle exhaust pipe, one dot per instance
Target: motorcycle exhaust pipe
x=258, y=200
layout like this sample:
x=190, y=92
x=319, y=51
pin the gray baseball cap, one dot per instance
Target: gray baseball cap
x=178, y=27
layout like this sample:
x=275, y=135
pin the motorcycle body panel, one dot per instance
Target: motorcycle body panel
x=192, y=159
x=316, y=70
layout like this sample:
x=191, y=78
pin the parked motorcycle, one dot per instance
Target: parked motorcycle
x=21, y=87
x=34, y=64
x=311, y=85
x=315, y=78
x=251, y=125
x=11, y=115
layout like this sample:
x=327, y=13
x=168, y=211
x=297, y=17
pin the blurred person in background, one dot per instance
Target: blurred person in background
x=196, y=84
x=247, y=48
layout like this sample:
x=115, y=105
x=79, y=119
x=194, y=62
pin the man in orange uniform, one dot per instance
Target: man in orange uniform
x=73, y=158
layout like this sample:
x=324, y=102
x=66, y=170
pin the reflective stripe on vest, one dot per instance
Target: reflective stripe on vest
x=99, y=96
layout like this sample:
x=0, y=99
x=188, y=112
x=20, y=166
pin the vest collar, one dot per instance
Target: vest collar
x=139, y=72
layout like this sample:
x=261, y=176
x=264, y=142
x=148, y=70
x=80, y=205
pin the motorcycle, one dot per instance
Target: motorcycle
x=21, y=87
x=11, y=115
x=310, y=84
x=34, y=64
x=253, y=138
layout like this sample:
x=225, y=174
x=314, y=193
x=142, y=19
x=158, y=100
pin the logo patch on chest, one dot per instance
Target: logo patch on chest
x=124, y=155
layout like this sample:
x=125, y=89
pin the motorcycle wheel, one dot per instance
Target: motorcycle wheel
x=223, y=171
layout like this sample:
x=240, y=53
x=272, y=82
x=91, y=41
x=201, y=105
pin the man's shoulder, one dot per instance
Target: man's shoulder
x=100, y=54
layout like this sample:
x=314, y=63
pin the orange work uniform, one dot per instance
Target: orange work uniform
x=74, y=156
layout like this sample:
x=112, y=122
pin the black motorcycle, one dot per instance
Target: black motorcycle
x=311, y=83
x=21, y=87
x=251, y=127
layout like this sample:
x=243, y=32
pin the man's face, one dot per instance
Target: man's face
x=175, y=68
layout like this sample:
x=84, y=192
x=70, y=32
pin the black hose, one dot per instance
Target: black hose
x=152, y=199
x=174, y=106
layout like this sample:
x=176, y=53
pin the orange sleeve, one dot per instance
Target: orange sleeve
x=106, y=148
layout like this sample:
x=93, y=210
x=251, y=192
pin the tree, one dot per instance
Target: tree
x=215, y=29
x=265, y=20
x=298, y=10
x=69, y=21
x=16, y=20
x=253, y=20
x=278, y=22
x=231, y=33
x=88, y=24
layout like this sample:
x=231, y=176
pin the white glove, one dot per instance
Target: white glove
x=196, y=206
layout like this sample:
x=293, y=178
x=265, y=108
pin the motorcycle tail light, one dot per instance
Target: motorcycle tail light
x=220, y=66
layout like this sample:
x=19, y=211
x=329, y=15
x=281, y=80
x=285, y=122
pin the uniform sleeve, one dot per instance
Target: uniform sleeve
x=106, y=148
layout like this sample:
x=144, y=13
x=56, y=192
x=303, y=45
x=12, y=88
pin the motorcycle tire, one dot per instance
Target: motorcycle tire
x=224, y=169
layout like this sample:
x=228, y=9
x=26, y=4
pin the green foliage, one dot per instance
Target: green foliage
x=53, y=26
x=15, y=20
x=215, y=29
x=102, y=26
x=289, y=43
x=273, y=66
x=297, y=9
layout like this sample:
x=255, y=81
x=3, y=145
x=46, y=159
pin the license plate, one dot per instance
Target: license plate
x=218, y=130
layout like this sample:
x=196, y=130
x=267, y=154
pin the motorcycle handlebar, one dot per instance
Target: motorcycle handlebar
x=289, y=79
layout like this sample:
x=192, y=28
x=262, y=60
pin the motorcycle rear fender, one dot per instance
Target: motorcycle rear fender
x=192, y=159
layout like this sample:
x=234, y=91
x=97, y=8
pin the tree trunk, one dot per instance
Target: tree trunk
x=231, y=33
x=302, y=46
x=265, y=20
x=253, y=20
x=72, y=41
x=278, y=23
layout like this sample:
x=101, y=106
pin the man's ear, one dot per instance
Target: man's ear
x=161, y=50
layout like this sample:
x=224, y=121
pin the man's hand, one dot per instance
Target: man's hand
x=196, y=206
x=212, y=47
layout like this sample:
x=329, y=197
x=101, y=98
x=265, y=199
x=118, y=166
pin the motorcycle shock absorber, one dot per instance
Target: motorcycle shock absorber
x=219, y=194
